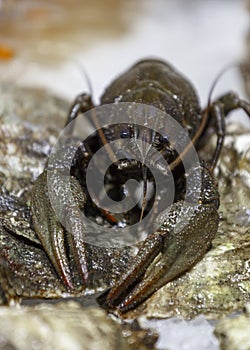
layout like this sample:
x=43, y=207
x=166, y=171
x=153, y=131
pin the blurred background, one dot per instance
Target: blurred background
x=50, y=43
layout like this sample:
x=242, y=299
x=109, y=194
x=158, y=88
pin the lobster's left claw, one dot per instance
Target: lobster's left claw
x=184, y=235
x=172, y=250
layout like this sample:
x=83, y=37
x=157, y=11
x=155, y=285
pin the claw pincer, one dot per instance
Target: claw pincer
x=185, y=233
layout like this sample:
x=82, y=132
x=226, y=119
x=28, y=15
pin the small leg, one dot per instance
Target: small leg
x=219, y=114
x=82, y=104
x=220, y=109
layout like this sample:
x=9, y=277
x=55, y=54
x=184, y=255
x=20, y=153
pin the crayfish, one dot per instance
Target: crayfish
x=161, y=110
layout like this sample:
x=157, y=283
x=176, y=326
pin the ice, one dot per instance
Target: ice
x=178, y=334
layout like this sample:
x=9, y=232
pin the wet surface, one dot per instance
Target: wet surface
x=233, y=332
x=68, y=325
x=216, y=286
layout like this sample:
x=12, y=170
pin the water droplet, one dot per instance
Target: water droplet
x=118, y=99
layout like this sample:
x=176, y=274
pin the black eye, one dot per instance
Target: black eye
x=163, y=139
x=124, y=134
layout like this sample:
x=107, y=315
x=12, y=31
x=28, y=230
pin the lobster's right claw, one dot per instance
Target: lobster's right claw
x=65, y=249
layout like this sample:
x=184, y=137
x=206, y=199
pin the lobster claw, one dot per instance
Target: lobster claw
x=185, y=233
x=66, y=251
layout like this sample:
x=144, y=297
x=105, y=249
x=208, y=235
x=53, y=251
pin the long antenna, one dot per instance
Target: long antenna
x=201, y=128
x=219, y=75
x=219, y=139
x=96, y=123
x=85, y=76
